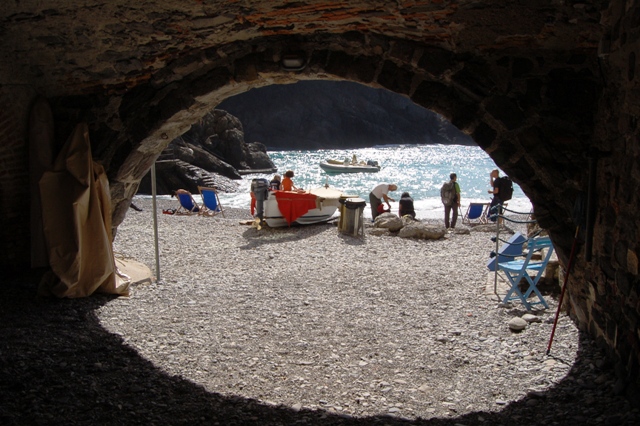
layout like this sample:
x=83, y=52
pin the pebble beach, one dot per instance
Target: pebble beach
x=331, y=327
x=298, y=326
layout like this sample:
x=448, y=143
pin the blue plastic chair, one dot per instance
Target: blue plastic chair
x=211, y=202
x=516, y=270
x=476, y=214
x=187, y=204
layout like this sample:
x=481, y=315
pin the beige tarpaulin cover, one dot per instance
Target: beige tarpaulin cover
x=76, y=212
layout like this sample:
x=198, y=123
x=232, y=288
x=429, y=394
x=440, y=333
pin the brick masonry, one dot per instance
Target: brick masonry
x=14, y=178
x=538, y=87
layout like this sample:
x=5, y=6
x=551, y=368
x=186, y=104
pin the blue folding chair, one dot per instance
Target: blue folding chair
x=476, y=214
x=516, y=270
x=187, y=204
x=211, y=202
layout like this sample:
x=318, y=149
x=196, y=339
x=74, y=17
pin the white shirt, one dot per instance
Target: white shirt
x=380, y=189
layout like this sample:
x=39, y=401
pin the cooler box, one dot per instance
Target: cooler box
x=352, y=216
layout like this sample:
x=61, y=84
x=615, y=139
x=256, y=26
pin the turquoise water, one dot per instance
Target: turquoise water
x=417, y=169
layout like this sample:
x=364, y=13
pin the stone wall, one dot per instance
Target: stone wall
x=14, y=178
x=605, y=291
x=540, y=86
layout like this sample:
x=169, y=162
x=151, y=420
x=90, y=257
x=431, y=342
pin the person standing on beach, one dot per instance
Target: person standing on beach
x=495, y=180
x=378, y=194
x=450, y=195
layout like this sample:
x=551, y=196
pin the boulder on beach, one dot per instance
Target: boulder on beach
x=423, y=231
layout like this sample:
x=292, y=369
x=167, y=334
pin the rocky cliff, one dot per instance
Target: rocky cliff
x=305, y=115
x=212, y=153
x=330, y=114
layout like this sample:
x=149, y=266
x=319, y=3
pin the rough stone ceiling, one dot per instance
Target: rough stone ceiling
x=76, y=46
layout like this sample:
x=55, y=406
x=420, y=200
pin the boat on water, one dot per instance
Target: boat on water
x=317, y=205
x=337, y=166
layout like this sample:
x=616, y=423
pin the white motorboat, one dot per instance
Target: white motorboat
x=335, y=166
x=316, y=205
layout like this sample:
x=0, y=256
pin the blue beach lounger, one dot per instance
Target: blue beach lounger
x=476, y=214
x=187, y=204
x=211, y=202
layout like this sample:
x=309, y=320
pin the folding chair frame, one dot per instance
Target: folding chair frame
x=184, y=210
x=516, y=270
x=206, y=210
x=480, y=220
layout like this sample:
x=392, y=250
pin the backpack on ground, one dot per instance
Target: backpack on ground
x=505, y=188
x=448, y=193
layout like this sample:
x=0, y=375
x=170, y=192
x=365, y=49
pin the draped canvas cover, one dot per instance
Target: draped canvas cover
x=293, y=205
x=76, y=212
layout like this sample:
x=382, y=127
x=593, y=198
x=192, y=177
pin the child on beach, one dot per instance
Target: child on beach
x=287, y=182
x=275, y=184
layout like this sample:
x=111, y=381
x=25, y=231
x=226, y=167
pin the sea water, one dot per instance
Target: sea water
x=419, y=170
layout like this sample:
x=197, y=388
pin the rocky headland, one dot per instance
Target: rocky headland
x=233, y=139
x=212, y=153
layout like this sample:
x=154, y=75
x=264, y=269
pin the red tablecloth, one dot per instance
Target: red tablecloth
x=292, y=205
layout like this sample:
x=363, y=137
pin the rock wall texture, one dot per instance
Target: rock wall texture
x=548, y=89
x=328, y=114
x=213, y=153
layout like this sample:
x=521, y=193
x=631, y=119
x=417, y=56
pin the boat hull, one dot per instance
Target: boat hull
x=341, y=168
x=328, y=204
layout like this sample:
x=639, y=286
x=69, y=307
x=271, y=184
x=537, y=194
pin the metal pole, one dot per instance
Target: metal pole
x=155, y=220
x=495, y=264
x=564, y=286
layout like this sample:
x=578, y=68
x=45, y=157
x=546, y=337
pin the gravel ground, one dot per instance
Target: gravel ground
x=299, y=325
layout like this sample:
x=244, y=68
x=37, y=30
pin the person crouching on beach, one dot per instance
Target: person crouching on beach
x=287, y=182
x=406, y=206
x=378, y=194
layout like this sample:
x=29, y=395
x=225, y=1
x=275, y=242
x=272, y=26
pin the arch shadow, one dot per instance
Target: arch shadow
x=60, y=366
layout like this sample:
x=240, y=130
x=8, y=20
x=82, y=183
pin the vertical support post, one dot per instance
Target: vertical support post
x=155, y=220
x=591, y=207
x=495, y=277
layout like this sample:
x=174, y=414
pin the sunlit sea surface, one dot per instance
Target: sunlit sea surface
x=418, y=169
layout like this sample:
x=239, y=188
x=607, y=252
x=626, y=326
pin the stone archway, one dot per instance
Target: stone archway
x=538, y=86
x=530, y=113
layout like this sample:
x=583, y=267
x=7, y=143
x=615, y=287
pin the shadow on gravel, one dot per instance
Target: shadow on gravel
x=60, y=367
x=351, y=240
x=266, y=235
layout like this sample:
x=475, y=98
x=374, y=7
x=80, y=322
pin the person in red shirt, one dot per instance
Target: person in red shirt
x=287, y=182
